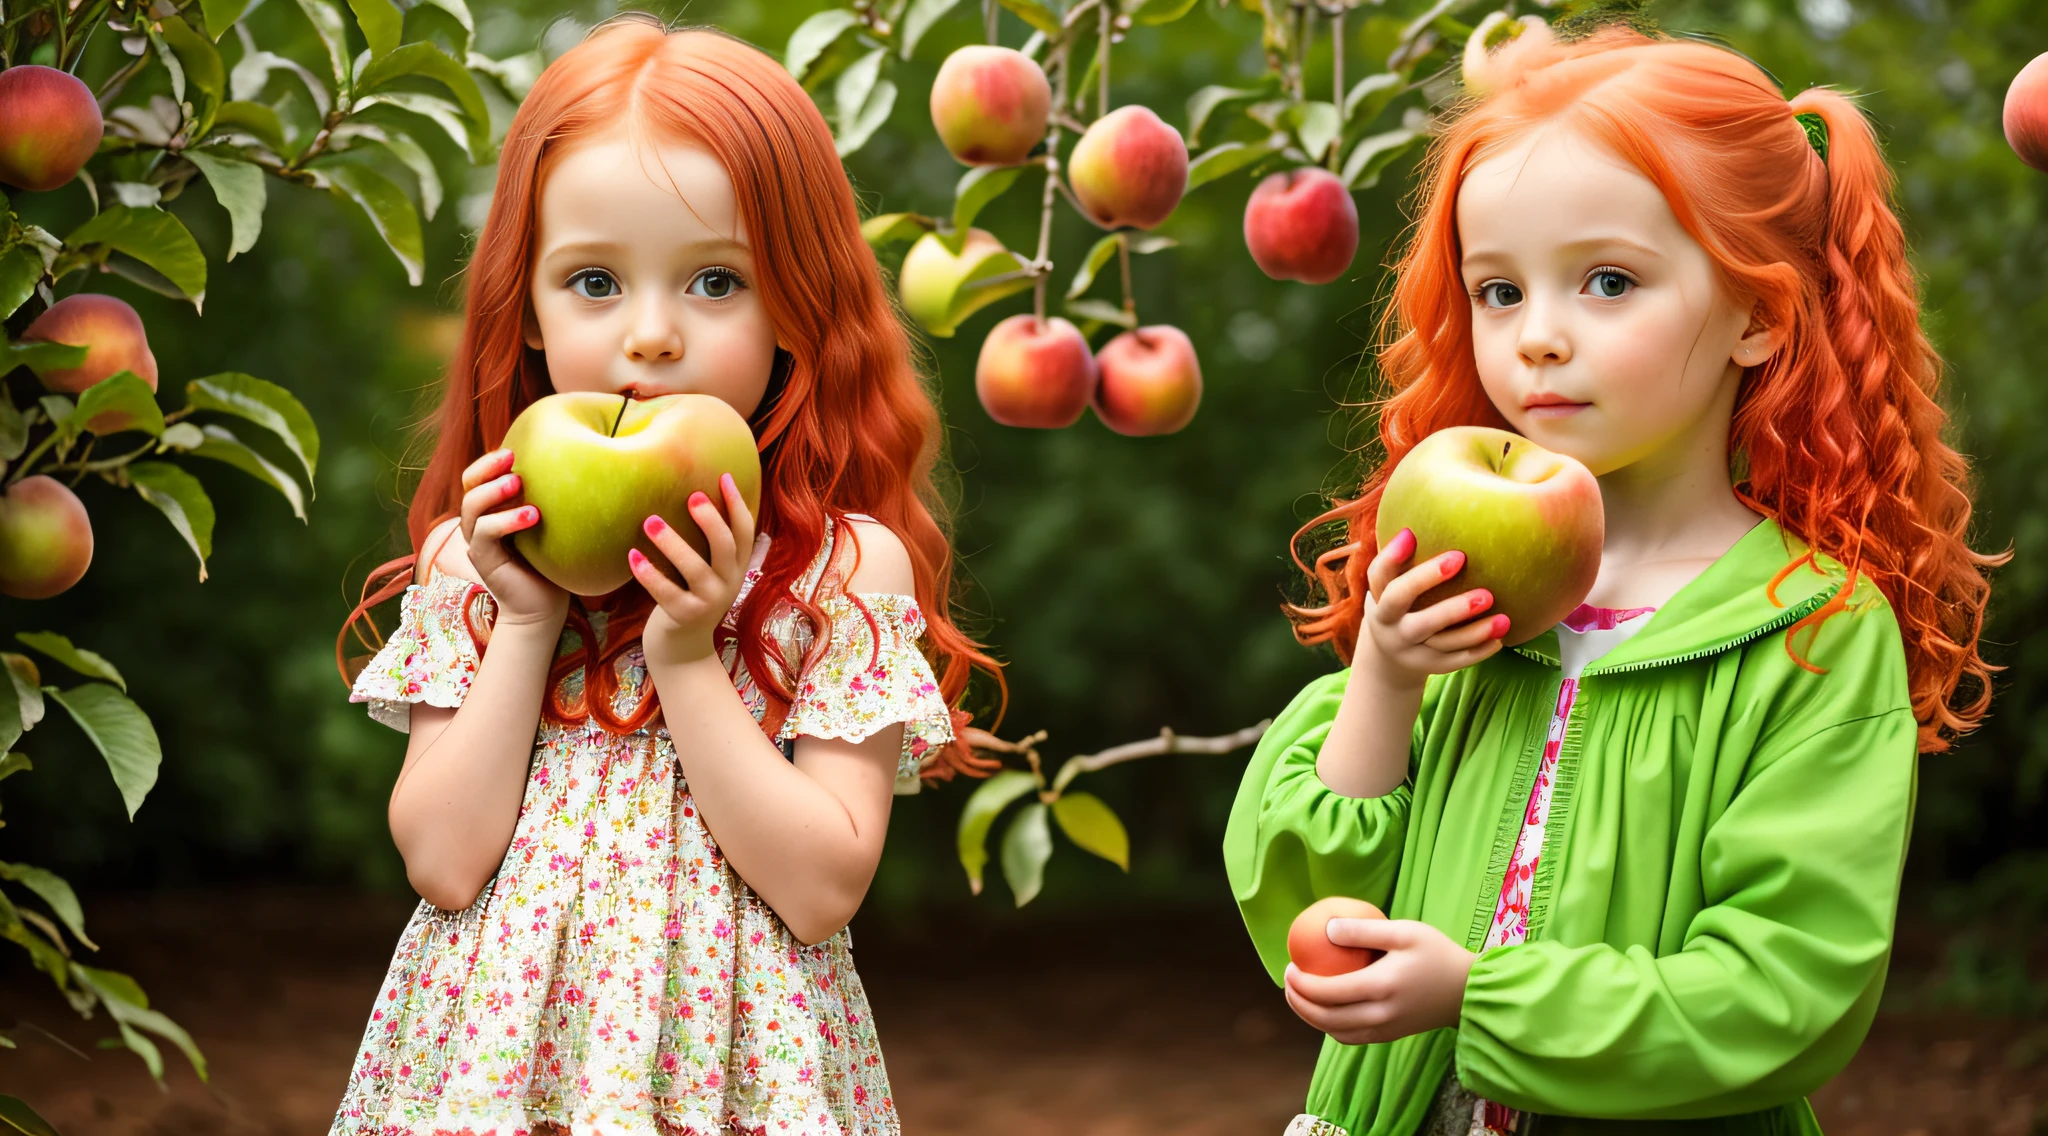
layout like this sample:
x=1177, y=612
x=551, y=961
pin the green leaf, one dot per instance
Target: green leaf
x=425, y=61
x=880, y=102
x=989, y=799
x=205, y=77
x=39, y=357
x=20, y=670
x=20, y=268
x=1102, y=310
x=1373, y=153
x=51, y=889
x=457, y=13
x=47, y=956
x=1316, y=125
x=1229, y=158
x=221, y=445
x=1370, y=95
x=13, y=429
x=382, y=24
x=153, y=237
x=13, y=763
x=91, y=664
x=1090, y=823
x=238, y=186
x=812, y=37
x=1206, y=102
x=333, y=33
x=1143, y=243
x=440, y=111
x=182, y=500
x=1163, y=11
x=389, y=209
x=1090, y=265
x=1026, y=848
x=57, y=409
x=254, y=119
x=886, y=228
x=850, y=92
x=222, y=15
x=514, y=74
x=129, y=1007
x=919, y=20
x=414, y=157
x=21, y=1118
x=976, y=188
x=264, y=403
x=121, y=732
x=117, y=403
x=1039, y=15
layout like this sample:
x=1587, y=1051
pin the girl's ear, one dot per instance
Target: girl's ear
x=531, y=326
x=1757, y=345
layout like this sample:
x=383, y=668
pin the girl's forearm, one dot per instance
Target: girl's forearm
x=456, y=803
x=1366, y=751
x=788, y=836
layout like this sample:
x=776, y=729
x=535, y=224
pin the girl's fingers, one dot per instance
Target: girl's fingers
x=490, y=465
x=665, y=592
x=1445, y=615
x=494, y=527
x=717, y=534
x=486, y=496
x=1459, y=660
x=1346, y=1020
x=1401, y=593
x=1387, y=564
x=742, y=517
x=670, y=543
x=1476, y=633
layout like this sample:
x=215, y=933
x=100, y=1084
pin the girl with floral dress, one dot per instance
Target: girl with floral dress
x=640, y=822
x=1641, y=869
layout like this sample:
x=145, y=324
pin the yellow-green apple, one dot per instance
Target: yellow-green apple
x=1484, y=69
x=2026, y=113
x=1528, y=520
x=1150, y=381
x=1034, y=373
x=49, y=125
x=932, y=279
x=1302, y=225
x=597, y=465
x=45, y=538
x=107, y=328
x=1129, y=168
x=1308, y=937
x=990, y=105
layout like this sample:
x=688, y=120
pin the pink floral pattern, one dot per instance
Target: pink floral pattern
x=617, y=978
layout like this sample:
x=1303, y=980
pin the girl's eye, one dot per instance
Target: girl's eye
x=1499, y=294
x=1609, y=284
x=716, y=284
x=594, y=284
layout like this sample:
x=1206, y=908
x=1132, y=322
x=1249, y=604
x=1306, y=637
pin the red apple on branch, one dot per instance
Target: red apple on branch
x=1529, y=521
x=990, y=105
x=1308, y=937
x=45, y=538
x=1034, y=373
x=2026, y=113
x=49, y=125
x=1129, y=168
x=1302, y=225
x=107, y=328
x=1150, y=381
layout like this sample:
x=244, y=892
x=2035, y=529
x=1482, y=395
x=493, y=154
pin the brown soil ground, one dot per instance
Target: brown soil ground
x=1160, y=1030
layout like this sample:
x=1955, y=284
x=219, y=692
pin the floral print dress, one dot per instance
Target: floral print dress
x=616, y=978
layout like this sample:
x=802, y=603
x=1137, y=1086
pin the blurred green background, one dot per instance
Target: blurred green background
x=1131, y=583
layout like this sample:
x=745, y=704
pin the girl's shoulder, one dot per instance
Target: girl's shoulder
x=884, y=566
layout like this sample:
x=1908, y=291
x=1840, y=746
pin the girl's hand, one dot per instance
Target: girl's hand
x=679, y=630
x=1417, y=986
x=1408, y=646
x=491, y=512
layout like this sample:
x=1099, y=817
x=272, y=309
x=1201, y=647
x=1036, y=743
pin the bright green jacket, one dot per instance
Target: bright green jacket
x=1712, y=913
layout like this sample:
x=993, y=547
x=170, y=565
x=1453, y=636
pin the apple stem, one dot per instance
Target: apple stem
x=27, y=463
x=1042, y=262
x=988, y=21
x=1123, y=260
x=1337, y=83
x=1102, y=63
x=625, y=400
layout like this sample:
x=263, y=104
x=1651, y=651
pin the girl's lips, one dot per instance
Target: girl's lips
x=1555, y=409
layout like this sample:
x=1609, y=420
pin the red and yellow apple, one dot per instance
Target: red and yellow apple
x=1129, y=168
x=932, y=277
x=1150, y=381
x=596, y=465
x=1529, y=521
x=1302, y=225
x=107, y=328
x=1034, y=373
x=49, y=125
x=2026, y=113
x=1308, y=937
x=1487, y=62
x=45, y=538
x=990, y=105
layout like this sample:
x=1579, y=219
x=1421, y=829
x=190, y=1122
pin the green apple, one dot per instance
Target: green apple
x=597, y=465
x=1528, y=520
x=941, y=286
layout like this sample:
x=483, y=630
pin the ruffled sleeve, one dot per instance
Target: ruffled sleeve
x=872, y=675
x=432, y=656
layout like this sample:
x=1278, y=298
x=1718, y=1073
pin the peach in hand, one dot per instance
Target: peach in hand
x=1308, y=937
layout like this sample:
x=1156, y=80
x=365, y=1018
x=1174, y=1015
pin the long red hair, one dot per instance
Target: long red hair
x=1838, y=436
x=850, y=428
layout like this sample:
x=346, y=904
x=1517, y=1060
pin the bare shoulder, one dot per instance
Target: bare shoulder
x=445, y=549
x=884, y=561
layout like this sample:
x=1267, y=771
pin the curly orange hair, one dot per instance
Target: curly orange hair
x=1837, y=436
x=852, y=428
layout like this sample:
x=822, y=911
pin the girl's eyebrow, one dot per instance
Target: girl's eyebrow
x=708, y=246
x=1597, y=244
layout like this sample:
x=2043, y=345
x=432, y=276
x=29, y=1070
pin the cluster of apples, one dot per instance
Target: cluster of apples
x=991, y=106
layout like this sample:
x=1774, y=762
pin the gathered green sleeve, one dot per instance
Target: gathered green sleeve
x=1778, y=976
x=1292, y=841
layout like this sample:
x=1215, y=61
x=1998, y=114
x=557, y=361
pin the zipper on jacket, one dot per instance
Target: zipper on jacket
x=1785, y=618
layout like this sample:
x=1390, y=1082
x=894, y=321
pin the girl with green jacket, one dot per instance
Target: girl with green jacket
x=1642, y=868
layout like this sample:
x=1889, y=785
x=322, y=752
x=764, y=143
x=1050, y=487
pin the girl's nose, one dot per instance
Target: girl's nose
x=655, y=336
x=1541, y=338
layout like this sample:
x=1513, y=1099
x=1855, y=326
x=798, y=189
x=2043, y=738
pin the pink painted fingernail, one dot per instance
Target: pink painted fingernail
x=654, y=526
x=699, y=498
x=1452, y=562
x=1481, y=600
x=636, y=558
x=1500, y=628
x=726, y=483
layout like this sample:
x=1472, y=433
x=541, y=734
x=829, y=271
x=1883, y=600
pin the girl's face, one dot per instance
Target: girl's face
x=642, y=279
x=1600, y=328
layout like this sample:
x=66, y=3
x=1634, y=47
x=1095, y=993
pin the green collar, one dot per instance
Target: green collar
x=1725, y=606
